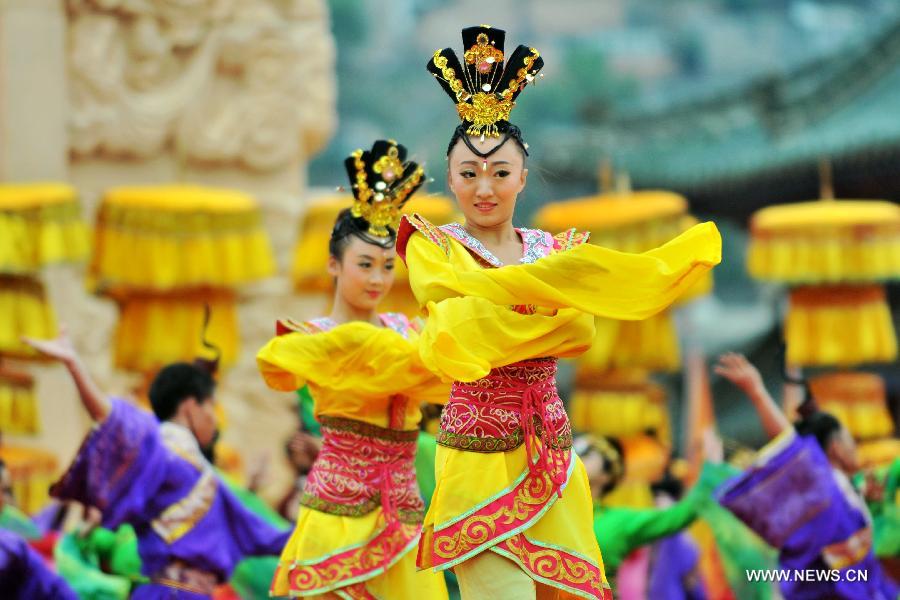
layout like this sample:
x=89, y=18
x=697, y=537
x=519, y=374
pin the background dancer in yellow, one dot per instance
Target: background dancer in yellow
x=361, y=511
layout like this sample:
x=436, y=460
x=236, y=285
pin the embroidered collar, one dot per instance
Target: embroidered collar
x=535, y=244
x=181, y=441
x=393, y=321
x=396, y=321
x=323, y=323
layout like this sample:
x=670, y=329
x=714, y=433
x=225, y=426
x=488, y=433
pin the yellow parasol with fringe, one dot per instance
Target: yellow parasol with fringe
x=40, y=225
x=858, y=400
x=638, y=405
x=187, y=237
x=835, y=255
x=18, y=403
x=24, y=311
x=164, y=252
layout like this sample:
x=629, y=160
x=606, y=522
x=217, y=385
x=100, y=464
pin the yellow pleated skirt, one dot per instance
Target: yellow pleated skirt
x=354, y=557
x=491, y=501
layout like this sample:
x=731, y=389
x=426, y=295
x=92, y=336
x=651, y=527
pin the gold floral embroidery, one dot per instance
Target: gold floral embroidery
x=364, y=561
x=557, y=566
x=368, y=430
x=431, y=232
x=285, y=326
x=841, y=555
x=178, y=519
x=570, y=239
x=527, y=500
x=488, y=444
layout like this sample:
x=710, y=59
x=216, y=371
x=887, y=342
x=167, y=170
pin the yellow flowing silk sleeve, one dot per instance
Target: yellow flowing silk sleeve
x=464, y=338
x=596, y=280
x=353, y=358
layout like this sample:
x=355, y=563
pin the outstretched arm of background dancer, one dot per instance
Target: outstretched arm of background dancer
x=94, y=400
x=741, y=372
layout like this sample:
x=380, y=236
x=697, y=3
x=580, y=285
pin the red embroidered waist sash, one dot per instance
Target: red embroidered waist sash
x=361, y=467
x=513, y=405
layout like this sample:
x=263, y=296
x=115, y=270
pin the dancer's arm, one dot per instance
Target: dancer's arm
x=592, y=279
x=464, y=338
x=355, y=357
x=741, y=372
x=94, y=400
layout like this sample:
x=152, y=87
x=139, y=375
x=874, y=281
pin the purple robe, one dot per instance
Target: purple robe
x=23, y=575
x=793, y=499
x=675, y=571
x=179, y=509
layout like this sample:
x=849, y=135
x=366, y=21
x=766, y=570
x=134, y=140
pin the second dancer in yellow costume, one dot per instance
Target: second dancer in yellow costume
x=512, y=512
x=361, y=512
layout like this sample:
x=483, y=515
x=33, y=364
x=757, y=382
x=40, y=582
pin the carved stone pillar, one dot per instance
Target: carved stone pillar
x=216, y=92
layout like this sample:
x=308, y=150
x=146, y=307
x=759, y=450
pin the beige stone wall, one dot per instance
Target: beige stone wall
x=33, y=92
x=233, y=94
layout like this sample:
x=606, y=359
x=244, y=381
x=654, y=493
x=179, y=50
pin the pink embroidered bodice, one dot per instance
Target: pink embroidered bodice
x=515, y=404
x=361, y=466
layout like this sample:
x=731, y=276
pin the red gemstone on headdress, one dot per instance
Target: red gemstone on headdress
x=484, y=66
x=389, y=175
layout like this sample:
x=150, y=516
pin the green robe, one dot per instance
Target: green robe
x=102, y=565
x=79, y=560
x=886, y=513
x=620, y=530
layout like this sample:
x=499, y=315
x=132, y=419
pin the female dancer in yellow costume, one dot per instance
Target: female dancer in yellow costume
x=512, y=512
x=361, y=512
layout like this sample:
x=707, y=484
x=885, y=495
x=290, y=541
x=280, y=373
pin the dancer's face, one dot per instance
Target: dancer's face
x=201, y=419
x=486, y=189
x=842, y=451
x=364, y=274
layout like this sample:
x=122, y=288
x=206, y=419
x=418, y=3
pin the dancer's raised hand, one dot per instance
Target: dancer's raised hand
x=60, y=348
x=738, y=370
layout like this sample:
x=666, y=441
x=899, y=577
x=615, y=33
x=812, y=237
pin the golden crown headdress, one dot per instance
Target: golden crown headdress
x=485, y=87
x=382, y=181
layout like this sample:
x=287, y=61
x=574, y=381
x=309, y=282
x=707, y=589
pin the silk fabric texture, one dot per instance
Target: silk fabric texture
x=471, y=330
